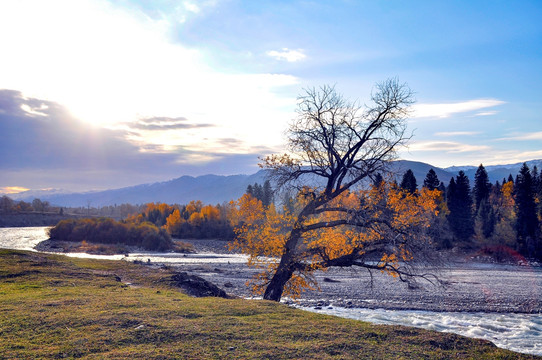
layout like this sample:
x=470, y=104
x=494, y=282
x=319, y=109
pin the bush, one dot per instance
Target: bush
x=108, y=231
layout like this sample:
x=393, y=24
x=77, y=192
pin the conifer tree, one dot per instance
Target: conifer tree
x=267, y=194
x=527, y=219
x=250, y=190
x=378, y=179
x=460, y=206
x=431, y=180
x=482, y=186
x=409, y=182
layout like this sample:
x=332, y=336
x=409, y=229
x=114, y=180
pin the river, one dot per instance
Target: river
x=521, y=332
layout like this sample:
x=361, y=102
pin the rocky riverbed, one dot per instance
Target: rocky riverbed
x=469, y=286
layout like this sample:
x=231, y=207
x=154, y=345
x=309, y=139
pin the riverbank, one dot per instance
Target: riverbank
x=469, y=286
x=466, y=285
x=61, y=307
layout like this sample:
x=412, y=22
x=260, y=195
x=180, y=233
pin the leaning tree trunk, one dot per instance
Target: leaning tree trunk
x=276, y=286
x=285, y=270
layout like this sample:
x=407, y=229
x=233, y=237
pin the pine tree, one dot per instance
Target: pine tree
x=267, y=198
x=258, y=191
x=409, y=182
x=527, y=219
x=378, y=179
x=482, y=186
x=460, y=206
x=431, y=180
x=250, y=190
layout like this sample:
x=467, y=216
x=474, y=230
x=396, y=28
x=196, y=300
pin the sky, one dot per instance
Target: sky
x=98, y=94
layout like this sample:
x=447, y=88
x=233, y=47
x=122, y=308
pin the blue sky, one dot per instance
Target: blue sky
x=98, y=94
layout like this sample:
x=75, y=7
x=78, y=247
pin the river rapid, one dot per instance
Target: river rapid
x=502, y=304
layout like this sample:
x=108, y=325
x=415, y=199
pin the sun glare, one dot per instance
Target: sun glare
x=12, y=189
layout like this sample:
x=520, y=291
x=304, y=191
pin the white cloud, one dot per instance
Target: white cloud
x=446, y=147
x=486, y=113
x=190, y=6
x=529, y=136
x=457, y=133
x=449, y=109
x=287, y=54
x=108, y=66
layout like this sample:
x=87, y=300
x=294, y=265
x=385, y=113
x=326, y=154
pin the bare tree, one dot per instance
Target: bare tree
x=338, y=144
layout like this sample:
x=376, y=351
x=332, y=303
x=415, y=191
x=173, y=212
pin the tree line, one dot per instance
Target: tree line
x=501, y=219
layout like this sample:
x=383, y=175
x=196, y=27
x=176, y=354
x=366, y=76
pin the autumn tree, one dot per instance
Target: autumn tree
x=333, y=146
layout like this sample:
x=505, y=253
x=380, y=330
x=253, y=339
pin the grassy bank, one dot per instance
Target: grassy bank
x=59, y=307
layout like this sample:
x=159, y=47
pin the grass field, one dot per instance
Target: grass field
x=59, y=307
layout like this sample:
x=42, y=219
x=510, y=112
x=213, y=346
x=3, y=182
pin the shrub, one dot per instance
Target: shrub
x=109, y=231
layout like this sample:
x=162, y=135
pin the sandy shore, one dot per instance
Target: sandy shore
x=470, y=286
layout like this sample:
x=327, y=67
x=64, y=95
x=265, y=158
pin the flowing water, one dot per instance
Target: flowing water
x=517, y=332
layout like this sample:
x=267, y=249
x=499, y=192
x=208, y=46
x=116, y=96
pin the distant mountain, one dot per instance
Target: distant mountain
x=213, y=189
x=210, y=189
x=495, y=172
x=420, y=170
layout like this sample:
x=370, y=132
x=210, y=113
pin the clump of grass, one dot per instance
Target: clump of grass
x=59, y=307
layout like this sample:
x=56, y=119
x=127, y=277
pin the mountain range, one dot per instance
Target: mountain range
x=213, y=189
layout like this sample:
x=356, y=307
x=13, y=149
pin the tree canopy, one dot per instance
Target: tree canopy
x=335, y=145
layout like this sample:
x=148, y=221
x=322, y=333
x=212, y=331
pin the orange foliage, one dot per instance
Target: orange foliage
x=387, y=212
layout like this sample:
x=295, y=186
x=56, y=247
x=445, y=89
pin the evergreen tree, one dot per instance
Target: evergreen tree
x=409, y=182
x=487, y=218
x=250, y=190
x=442, y=189
x=431, y=180
x=460, y=206
x=527, y=219
x=378, y=179
x=258, y=191
x=482, y=186
x=510, y=178
x=267, y=192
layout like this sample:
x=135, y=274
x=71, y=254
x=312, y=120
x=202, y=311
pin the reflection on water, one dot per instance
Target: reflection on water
x=22, y=238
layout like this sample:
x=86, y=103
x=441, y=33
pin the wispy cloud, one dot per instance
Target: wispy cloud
x=287, y=54
x=165, y=123
x=457, y=133
x=486, y=113
x=528, y=136
x=448, y=109
x=446, y=147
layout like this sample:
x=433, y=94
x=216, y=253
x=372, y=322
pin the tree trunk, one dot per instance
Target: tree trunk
x=276, y=286
x=284, y=271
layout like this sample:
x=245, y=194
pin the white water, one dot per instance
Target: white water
x=517, y=332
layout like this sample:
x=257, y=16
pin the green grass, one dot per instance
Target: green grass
x=60, y=307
